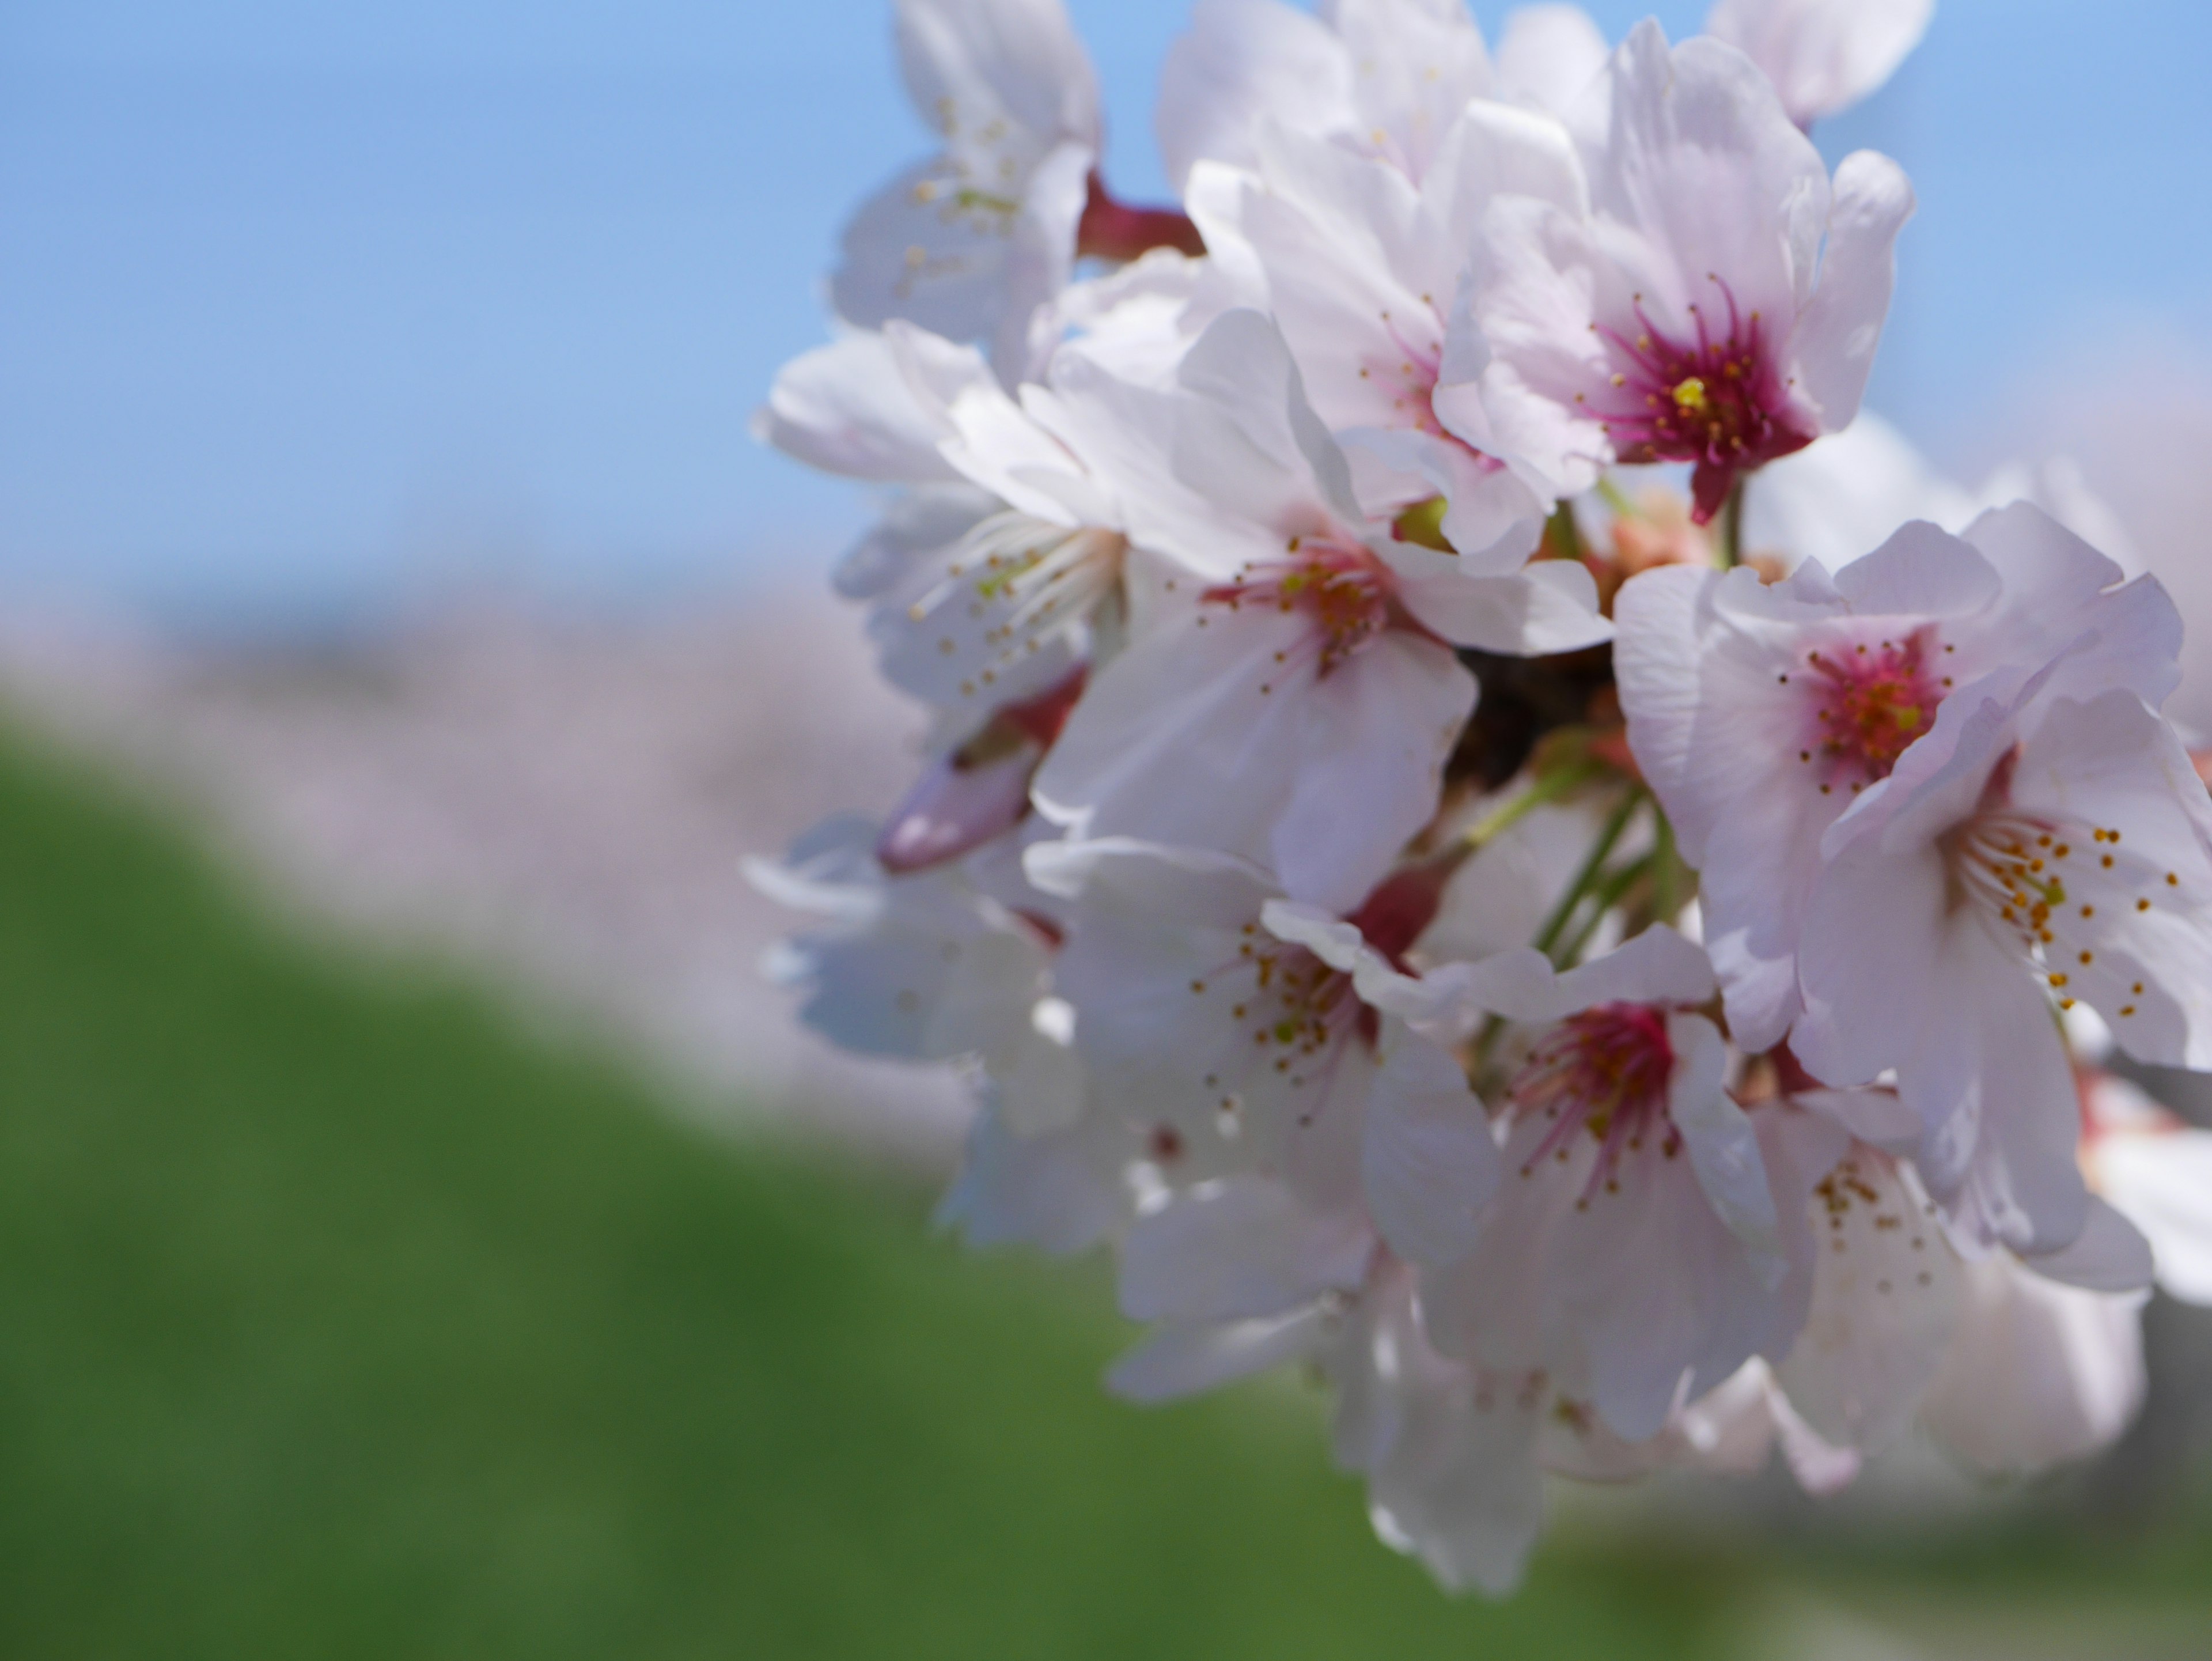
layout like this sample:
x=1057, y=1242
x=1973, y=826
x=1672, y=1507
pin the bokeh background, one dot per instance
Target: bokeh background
x=420, y=1232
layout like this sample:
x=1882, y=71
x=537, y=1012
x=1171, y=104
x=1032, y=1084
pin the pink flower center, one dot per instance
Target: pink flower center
x=1605, y=1071
x=1718, y=403
x=1341, y=587
x=1870, y=702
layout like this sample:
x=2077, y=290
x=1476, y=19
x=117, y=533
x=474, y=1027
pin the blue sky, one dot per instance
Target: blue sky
x=303, y=308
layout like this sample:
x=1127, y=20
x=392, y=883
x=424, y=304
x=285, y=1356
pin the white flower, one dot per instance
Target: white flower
x=1360, y=266
x=1389, y=76
x=1760, y=715
x=1823, y=56
x=1885, y=780
x=970, y=243
x=1235, y=1027
x=2051, y=849
x=1720, y=305
x=1648, y=1230
x=1218, y=886
x=1285, y=657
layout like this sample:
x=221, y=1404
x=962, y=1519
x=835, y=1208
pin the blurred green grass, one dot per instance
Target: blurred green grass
x=340, y=1317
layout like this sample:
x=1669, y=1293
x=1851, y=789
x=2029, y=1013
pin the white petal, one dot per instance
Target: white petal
x=1016, y=58
x=1377, y=731
x=1176, y=1360
x=1880, y=1118
x=1658, y=656
x=1885, y=1302
x=1061, y=1192
x=1039, y=258
x=1188, y=886
x=1242, y=58
x=848, y=408
x=1428, y=1162
x=1335, y=942
x=1698, y=156
x=905, y=255
x=1495, y=149
x=1551, y=605
x=2162, y=1183
x=1236, y=1249
x=1722, y=1147
x=1921, y=571
x=2038, y=1372
x=1823, y=56
x=1836, y=337
x=1042, y=1086
x=1248, y=439
x=2113, y=764
x=2108, y=1255
x=1548, y=56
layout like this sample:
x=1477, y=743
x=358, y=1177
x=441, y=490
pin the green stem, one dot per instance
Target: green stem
x=1548, y=935
x=1607, y=895
x=1548, y=787
x=1666, y=898
x=1731, y=538
x=1486, y=1040
x=1564, y=535
x=1615, y=497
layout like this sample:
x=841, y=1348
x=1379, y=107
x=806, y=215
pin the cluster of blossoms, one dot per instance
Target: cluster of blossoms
x=1410, y=864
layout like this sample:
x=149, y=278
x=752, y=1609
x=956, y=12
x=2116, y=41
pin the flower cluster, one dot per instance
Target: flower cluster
x=1408, y=867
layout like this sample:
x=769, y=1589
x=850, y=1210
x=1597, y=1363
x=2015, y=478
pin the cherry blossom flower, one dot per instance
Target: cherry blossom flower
x=1720, y=304
x=1360, y=267
x=1884, y=748
x=1650, y=1058
x=1954, y=907
x=970, y=243
x=1760, y=715
x=1625, y=1152
x=1285, y=656
x=1235, y=1030
x=1823, y=56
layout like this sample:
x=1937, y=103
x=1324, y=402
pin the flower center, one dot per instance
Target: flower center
x=1604, y=1071
x=2066, y=894
x=1870, y=702
x=1718, y=403
x=1018, y=582
x=1299, y=1013
x=1339, y=586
